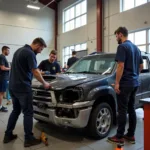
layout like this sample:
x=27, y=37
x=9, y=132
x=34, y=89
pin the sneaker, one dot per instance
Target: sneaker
x=8, y=139
x=32, y=142
x=8, y=103
x=116, y=140
x=130, y=139
x=3, y=109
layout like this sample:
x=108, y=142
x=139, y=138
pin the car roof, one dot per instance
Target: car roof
x=99, y=54
x=103, y=53
x=145, y=54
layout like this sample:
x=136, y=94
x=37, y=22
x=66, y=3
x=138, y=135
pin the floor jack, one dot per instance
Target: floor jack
x=44, y=139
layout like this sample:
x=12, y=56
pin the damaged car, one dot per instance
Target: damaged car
x=84, y=96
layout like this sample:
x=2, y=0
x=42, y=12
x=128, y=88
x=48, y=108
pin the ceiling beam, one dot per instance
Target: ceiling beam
x=53, y=5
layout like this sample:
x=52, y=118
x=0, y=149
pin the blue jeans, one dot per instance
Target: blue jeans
x=126, y=104
x=21, y=102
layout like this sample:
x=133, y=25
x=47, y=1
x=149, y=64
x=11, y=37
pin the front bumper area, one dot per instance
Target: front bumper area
x=49, y=115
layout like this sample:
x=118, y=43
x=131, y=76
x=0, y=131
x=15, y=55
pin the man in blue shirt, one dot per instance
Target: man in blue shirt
x=4, y=75
x=129, y=65
x=23, y=67
x=72, y=59
x=50, y=66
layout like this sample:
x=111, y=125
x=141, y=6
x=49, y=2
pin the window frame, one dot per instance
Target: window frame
x=122, y=5
x=71, y=53
x=148, y=65
x=147, y=44
x=75, y=17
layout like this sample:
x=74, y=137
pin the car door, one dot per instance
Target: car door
x=139, y=92
x=145, y=73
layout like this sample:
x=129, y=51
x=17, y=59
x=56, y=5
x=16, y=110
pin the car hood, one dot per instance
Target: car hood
x=63, y=81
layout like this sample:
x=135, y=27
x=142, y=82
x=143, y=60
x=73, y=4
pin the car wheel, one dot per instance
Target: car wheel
x=100, y=121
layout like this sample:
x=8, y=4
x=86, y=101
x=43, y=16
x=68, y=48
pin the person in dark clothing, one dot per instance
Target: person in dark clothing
x=72, y=60
x=50, y=66
x=129, y=65
x=4, y=75
x=23, y=67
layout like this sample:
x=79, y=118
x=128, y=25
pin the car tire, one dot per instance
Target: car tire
x=100, y=122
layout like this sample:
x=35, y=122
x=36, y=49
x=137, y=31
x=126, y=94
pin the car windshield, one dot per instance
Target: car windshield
x=98, y=64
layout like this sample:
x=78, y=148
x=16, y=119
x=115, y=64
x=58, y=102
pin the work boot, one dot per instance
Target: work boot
x=8, y=139
x=32, y=142
x=116, y=140
x=130, y=139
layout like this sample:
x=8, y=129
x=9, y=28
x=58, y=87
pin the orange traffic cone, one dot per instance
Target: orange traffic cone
x=119, y=147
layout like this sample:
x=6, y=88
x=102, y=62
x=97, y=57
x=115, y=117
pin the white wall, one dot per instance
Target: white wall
x=83, y=34
x=133, y=19
x=20, y=25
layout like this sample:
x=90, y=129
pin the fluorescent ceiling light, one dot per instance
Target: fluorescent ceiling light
x=33, y=7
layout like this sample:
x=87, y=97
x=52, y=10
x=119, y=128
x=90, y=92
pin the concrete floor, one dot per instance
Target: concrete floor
x=63, y=138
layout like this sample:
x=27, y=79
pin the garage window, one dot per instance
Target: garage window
x=145, y=65
x=80, y=48
x=75, y=16
x=141, y=39
x=129, y=4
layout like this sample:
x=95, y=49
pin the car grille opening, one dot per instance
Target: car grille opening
x=41, y=95
x=41, y=114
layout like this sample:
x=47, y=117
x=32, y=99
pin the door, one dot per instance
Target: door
x=139, y=92
x=145, y=78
